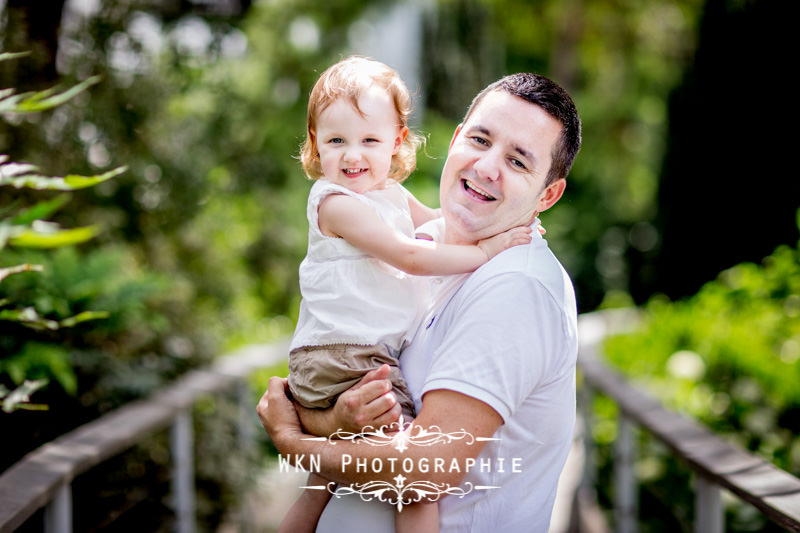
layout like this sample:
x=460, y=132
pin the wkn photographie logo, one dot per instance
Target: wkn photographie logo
x=401, y=493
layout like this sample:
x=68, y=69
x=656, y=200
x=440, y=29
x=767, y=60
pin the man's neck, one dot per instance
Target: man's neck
x=452, y=237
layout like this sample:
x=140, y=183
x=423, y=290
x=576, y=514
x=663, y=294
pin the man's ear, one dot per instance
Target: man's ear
x=455, y=134
x=552, y=193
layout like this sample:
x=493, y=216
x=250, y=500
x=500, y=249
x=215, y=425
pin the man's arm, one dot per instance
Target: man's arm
x=449, y=411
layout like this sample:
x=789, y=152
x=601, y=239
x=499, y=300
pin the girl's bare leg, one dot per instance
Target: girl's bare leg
x=418, y=518
x=304, y=514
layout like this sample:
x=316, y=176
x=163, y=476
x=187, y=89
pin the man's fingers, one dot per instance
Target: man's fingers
x=380, y=373
x=385, y=419
x=370, y=402
x=276, y=389
x=263, y=405
x=369, y=392
x=389, y=417
x=275, y=394
x=277, y=384
x=375, y=393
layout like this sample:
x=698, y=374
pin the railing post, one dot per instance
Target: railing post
x=626, y=504
x=246, y=411
x=586, y=399
x=244, y=430
x=709, y=516
x=182, y=443
x=58, y=513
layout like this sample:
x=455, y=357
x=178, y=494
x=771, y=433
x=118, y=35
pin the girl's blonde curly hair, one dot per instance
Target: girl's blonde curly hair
x=349, y=78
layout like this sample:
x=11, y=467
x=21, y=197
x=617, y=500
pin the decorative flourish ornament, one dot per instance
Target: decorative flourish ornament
x=401, y=494
x=392, y=435
x=401, y=437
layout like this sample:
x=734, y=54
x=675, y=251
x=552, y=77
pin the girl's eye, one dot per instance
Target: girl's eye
x=336, y=140
x=371, y=140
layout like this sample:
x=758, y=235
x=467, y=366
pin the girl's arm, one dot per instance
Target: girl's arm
x=346, y=217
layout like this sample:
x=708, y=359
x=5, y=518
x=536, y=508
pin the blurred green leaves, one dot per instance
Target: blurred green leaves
x=27, y=176
x=27, y=229
x=729, y=357
x=32, y=102
x=20, y=397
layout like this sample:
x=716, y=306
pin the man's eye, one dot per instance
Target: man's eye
x=480, y=140
x=519, y=164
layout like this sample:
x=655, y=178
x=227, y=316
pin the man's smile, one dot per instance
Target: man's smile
x=476, y=192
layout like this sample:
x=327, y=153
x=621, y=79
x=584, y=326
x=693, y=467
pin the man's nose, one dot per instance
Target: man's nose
x=488, y=165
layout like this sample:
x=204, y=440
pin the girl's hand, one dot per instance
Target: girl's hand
x=513, y=237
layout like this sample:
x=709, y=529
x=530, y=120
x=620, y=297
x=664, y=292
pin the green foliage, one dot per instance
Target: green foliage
x=19, y=176
x=41, y=360
x=619, y=61
x=27, y=229
x=214, y=199
x=70, y=286
x=20, y=397
x=34, y=101
x=729, y=357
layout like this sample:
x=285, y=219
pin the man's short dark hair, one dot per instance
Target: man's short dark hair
x=555, y=101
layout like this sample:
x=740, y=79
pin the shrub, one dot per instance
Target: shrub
x=729, y=357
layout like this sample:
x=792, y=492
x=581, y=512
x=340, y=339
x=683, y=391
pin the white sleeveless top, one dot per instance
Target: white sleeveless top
x=350, y=297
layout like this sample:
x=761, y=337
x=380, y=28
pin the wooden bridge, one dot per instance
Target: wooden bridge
x=43, y=478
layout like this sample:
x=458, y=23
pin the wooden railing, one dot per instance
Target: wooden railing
x=43, y=478
x=716, y=464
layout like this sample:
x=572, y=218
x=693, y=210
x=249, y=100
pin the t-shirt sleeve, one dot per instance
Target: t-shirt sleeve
x=433, y=229
x=500, y=344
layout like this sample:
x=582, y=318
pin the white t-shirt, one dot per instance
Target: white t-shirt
x=350, y=297
x=508, y=337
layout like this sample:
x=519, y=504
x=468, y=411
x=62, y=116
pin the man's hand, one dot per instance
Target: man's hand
x=278, y=415
x=370, y=402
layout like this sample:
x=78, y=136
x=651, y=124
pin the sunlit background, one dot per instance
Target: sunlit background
x=685, y=171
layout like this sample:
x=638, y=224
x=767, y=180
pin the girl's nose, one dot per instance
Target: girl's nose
x=352, y=155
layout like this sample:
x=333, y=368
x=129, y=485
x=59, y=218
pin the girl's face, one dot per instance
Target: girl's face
x=356, y=149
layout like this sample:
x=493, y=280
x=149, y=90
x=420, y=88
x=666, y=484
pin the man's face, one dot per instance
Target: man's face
x=495, y=171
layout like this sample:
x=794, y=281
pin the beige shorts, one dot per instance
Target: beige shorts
x=319, y=374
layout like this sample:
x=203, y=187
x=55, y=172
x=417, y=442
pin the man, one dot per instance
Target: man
x=495, y=360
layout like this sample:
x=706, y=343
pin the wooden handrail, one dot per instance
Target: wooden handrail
x=774, y=492
x=36, y=479
x=41, y=476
